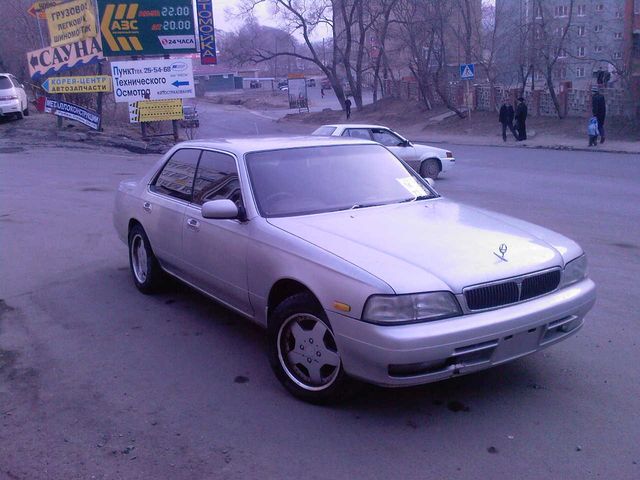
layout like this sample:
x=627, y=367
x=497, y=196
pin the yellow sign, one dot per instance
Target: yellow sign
x=122, y=20
x=71, y=22
x=87, y=84
x=155, y=110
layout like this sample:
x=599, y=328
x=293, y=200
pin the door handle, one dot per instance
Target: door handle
x=146, y=206
x=193, y=223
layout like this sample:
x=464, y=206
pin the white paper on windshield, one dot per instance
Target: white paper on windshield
x=412, y=186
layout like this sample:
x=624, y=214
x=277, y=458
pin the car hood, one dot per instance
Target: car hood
x=429, y=150
x=427, y=245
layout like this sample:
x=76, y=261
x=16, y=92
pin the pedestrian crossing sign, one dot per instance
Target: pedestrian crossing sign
x=467, y=71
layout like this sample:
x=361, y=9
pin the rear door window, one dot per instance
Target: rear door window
x=176, y=178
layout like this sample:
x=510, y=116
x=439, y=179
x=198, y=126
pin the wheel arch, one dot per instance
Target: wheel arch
x=132, y=223
x=430, y=157
x=285, y=288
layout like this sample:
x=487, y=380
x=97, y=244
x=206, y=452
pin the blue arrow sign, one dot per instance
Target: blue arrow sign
x=45, y=85
x=467, y=71
x=178, y=83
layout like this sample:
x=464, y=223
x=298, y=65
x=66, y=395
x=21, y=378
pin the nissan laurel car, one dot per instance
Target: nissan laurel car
x=428, y=161
x=355, y=266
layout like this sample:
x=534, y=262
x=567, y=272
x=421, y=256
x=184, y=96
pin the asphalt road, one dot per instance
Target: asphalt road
x=99, y=381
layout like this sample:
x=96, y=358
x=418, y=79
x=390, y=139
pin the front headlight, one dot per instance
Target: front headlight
x=418, y=307
x=574, y=271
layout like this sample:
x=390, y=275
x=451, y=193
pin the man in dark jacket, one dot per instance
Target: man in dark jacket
x=505, y=117
x=347, y=107
x=521, y=119
x=599, y=110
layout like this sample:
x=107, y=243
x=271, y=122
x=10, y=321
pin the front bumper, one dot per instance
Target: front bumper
x=9, y=107
x=447, y=163
x=406, y=355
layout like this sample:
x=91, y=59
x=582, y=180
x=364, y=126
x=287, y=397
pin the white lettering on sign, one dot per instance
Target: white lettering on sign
x=152, y=80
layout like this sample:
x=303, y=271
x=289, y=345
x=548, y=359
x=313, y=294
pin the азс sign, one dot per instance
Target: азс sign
x=206, y=32
x=71, y=22
x=147, y=27
x=74, y=112
x=152, y=80
x=50, y=60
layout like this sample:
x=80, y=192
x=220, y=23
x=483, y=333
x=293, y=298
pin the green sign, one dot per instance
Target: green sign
x=147, y=27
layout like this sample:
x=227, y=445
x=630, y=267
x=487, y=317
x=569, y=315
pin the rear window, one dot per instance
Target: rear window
x=5, y=83
x=324, y=131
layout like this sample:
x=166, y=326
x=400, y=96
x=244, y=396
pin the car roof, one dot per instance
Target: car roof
x=240, y=146
x=355, y=125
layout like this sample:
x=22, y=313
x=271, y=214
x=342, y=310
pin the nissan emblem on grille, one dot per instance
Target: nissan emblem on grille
x=502, y=249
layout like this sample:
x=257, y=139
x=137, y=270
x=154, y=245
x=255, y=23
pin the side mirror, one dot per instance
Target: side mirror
x=220, y=209
x=405, y=143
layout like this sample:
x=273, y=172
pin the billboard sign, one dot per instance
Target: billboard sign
x=206, y=32
x=71, y=22
x=147, y=27
x=50, y=60
x=152, y=79
x=72, y=111
x=297, y=92
x=84, y=84
x=155, y=110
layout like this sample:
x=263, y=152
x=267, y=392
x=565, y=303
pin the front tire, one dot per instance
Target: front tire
x=145, y=269
x=303, y=352
x=430, y=168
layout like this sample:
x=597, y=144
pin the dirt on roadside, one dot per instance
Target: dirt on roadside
x=415, y=117
x=257, y=99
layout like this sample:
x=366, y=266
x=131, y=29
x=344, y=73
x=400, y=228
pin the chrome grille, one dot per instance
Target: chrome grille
x=539, y=284
x=513, y=290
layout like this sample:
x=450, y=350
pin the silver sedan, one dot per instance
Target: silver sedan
x=355, y=266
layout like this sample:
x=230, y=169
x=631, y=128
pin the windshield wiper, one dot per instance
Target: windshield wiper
x=419, y=197
x=366, y=205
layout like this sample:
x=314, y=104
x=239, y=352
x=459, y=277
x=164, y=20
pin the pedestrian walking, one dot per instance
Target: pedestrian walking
x=347, y=107
x=592, y=129
x=505, y=117
x=599, y=110
x=321, y=92
x=521, y=119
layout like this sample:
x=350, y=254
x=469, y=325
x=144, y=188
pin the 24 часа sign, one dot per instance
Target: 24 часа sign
x=147, y=27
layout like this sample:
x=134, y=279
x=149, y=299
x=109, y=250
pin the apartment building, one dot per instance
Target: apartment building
x=587, y=36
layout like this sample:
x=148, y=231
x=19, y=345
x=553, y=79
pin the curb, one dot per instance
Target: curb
x=539, y=147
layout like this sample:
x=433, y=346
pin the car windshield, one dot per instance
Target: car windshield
x=5, y=83
x=308, y=180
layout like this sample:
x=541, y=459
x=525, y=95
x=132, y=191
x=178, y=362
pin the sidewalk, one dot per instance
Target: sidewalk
x=553, y=142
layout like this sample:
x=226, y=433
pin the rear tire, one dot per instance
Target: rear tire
x=25, y=112
x=19, y=116
x=430, y=168
x=303, y=352
x=145, y=269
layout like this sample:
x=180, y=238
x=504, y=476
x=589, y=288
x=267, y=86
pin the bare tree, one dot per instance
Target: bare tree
x=349, y=24
x=425, y=30
x=550, y=31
